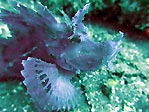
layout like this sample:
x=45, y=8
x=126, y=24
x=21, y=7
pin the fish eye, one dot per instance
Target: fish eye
x=76, y=40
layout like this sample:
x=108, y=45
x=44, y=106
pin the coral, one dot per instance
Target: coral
x=52, y=54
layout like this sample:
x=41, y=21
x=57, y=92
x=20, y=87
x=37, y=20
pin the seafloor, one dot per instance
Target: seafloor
x=125, y=88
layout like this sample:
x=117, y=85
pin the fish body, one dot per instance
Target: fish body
x=49, y=54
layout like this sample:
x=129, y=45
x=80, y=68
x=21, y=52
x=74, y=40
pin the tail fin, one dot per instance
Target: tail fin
x=2, y=63
x=49, y=89
x=6, y=70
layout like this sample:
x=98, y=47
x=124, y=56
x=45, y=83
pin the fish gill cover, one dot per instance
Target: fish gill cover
x=49, y=54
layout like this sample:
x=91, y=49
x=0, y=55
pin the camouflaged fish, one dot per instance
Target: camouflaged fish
x=49, y=54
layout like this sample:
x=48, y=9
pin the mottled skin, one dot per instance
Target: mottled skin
x=54, y=52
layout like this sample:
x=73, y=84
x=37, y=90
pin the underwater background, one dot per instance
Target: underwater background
x=124, y=88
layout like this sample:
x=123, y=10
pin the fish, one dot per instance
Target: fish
x=47, y=54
